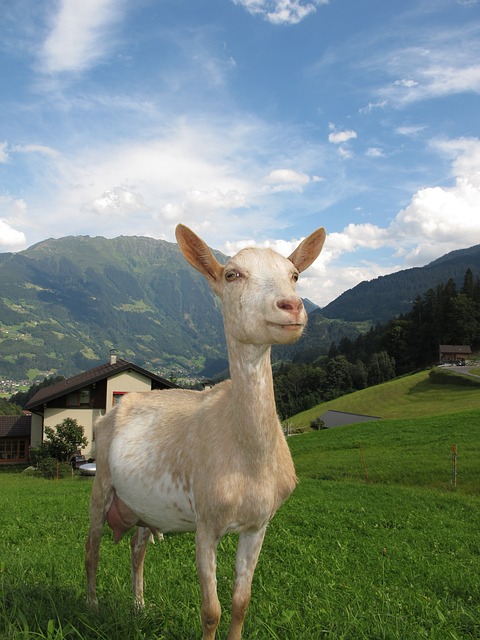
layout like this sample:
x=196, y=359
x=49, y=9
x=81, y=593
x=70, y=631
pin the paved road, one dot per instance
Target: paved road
x=464, y=370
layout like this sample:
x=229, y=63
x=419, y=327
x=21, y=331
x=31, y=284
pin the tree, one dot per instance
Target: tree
x=381, y=369
x=9, y=409
x=338, y=375
x=64, y=439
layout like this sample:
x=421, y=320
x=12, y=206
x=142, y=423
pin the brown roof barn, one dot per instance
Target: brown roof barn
x=452, y=352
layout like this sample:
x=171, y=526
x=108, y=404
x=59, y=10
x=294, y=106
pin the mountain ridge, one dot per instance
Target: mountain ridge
x=381, y=299
x=66, y=302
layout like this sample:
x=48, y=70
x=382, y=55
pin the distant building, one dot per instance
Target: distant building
x=89, y=395
x=454, y=352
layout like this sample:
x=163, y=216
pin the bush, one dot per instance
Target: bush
x=317, y=424
x=46, y=465
x=50, y=468
x=64, y=439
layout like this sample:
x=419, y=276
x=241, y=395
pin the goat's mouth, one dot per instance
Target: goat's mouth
x=288, y=326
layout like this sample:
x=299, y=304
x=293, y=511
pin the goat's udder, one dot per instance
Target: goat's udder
x=121, y=519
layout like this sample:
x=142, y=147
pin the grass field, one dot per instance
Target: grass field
x=394, y=557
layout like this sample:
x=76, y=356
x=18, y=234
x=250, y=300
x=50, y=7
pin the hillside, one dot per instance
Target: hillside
x=64, y=303
x=410, y=397
x=383, y=298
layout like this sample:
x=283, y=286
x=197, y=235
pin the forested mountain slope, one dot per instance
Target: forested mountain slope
x=65, y=303
x=384, y=298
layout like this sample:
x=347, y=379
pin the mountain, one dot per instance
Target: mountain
x=383, y=298
x=64, y=303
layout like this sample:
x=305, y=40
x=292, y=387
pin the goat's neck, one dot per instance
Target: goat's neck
x=256, y=420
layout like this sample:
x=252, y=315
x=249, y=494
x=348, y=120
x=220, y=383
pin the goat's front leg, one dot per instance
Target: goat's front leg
x=248, y=550
x=206, y=555
x=138, y=546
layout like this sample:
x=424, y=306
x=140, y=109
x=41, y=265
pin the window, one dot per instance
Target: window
x=117, y=396
x=80, y=398
x=13, y=450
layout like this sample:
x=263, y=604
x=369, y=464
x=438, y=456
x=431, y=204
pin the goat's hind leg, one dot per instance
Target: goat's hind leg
x=100, y=501
x=138, y=546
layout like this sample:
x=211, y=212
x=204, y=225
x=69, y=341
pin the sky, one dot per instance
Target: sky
x=252, y=121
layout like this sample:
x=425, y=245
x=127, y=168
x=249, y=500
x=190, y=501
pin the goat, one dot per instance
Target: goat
x=213, y=461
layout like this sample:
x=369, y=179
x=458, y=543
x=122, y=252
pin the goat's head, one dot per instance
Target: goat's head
x=256, y=286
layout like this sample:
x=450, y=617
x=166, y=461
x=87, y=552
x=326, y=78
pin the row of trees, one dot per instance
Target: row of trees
x=301, y=386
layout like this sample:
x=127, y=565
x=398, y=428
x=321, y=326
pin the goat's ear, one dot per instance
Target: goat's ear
x=308, y=250
x=198, y=254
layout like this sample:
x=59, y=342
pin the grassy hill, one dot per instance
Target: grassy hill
x=375, y=542
x=412, y=396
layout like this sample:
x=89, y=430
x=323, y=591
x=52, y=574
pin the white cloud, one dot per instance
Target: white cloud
x=78, y=35
x=10, y=238
x=3, y=152
x=192, y=173
x=287, y=180
x=444, y=62
x=371, y=106
x=410, y=130
x=437, y=219
x=281, y=11
x=119, y=201
x=405, y=83
x=339, y=137
x=374, y=152
x=35, y=148
x=435, y=81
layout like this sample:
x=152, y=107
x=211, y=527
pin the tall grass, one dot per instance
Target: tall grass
x=394, y=557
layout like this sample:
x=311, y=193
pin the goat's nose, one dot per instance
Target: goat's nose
x=292, y=303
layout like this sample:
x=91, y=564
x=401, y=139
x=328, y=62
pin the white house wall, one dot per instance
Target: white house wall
x=126, y=382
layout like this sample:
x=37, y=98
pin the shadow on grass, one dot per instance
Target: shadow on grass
x=56, y=613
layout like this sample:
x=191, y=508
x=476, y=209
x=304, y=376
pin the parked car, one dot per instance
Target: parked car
x=88, y=469
x=77, y=460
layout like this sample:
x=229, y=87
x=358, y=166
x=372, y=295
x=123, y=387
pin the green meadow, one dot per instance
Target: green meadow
x=380, y=540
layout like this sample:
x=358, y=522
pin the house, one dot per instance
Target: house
x=89, y=395
x=454, y=352
x=15, y=438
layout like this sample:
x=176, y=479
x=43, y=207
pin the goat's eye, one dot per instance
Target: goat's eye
x=232, y=275
x=295, y=276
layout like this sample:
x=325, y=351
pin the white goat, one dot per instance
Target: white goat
x=213, y=461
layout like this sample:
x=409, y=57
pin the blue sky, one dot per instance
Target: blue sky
x=251, y=121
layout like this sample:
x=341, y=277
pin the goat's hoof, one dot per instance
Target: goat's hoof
x=92, y=603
